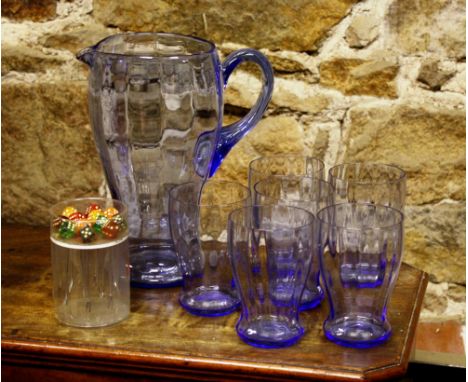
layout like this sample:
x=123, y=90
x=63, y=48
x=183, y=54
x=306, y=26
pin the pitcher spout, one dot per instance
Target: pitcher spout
x=87, y=56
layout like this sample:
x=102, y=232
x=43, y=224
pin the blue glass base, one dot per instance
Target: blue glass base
x=154, y=265
x=281, y=296
x=269, y=332
x=208, y=302
x=357, y=332
x=136, y=284
x=311, y=299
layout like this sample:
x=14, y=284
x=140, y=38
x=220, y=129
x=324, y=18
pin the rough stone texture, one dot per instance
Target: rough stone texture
x=243, y=90
x=22, y=58
x=360, y=77
x=429, y=26
x=47, y=152
x=435, y=240
x=278, y=134
x=285, y=63
x=362, y=31
x=36, y=10
x=434, y=75
x=298, y=25
x=298, y=96
x=76, y=38
x=444, y=301
x=320, y=144
x=457, y=84
x=273, y=135
x=428, y=143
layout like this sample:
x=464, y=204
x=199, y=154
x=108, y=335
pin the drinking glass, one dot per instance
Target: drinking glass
x=270, y=249
x=305, y=192
x=367, y=182
x=284, y=164
x=199, y=230
x=90, y=261
x=360, y=252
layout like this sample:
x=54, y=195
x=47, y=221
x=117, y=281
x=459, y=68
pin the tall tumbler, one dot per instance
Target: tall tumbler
x=360, y=252
x=304, y=192
x=270, y=249
x=284, y=164
x=199, y=229
x=367, y=182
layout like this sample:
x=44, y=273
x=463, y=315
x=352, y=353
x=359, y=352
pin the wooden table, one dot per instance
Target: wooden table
x=161, y=339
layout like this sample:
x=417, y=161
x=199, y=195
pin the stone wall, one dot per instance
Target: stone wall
x=380, y=80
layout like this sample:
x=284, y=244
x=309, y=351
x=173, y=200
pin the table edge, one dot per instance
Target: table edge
x=15, y=351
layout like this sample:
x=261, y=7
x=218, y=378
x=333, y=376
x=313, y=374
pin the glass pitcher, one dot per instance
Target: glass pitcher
x=156, y=108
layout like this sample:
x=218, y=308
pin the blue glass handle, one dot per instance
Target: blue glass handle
x=233, y=133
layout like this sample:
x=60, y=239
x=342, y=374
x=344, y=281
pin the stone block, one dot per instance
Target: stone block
x=435, y=26
x=284, y=63
x=444, y=301
x=37, y=10
x=433, y=74
x=76, y=38
x=48, y=153
x=298, y=25
x=435, y=240
x=427, y=142
x=362, y=31
x=457, y=83
x=297, y=96
x=242, y=89
x=23, y=58
x=360, y=77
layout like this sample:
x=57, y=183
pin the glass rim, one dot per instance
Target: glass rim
x=379, y=227
x=184, y=201
x=72, y=201
x=210, y=50
x=254, y=162
x=398, y=180
x=241, y=211
x=292, y=177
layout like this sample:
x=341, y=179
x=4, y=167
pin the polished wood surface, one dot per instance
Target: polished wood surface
x=161, y=339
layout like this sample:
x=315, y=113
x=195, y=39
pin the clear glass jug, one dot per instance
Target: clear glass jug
x=156, y=108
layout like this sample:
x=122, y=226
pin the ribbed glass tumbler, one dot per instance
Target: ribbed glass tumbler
x=199, y=230
x=311, y=194
x=367, y=182
x=284, y=164
x=360, y=252
x=270, y=249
